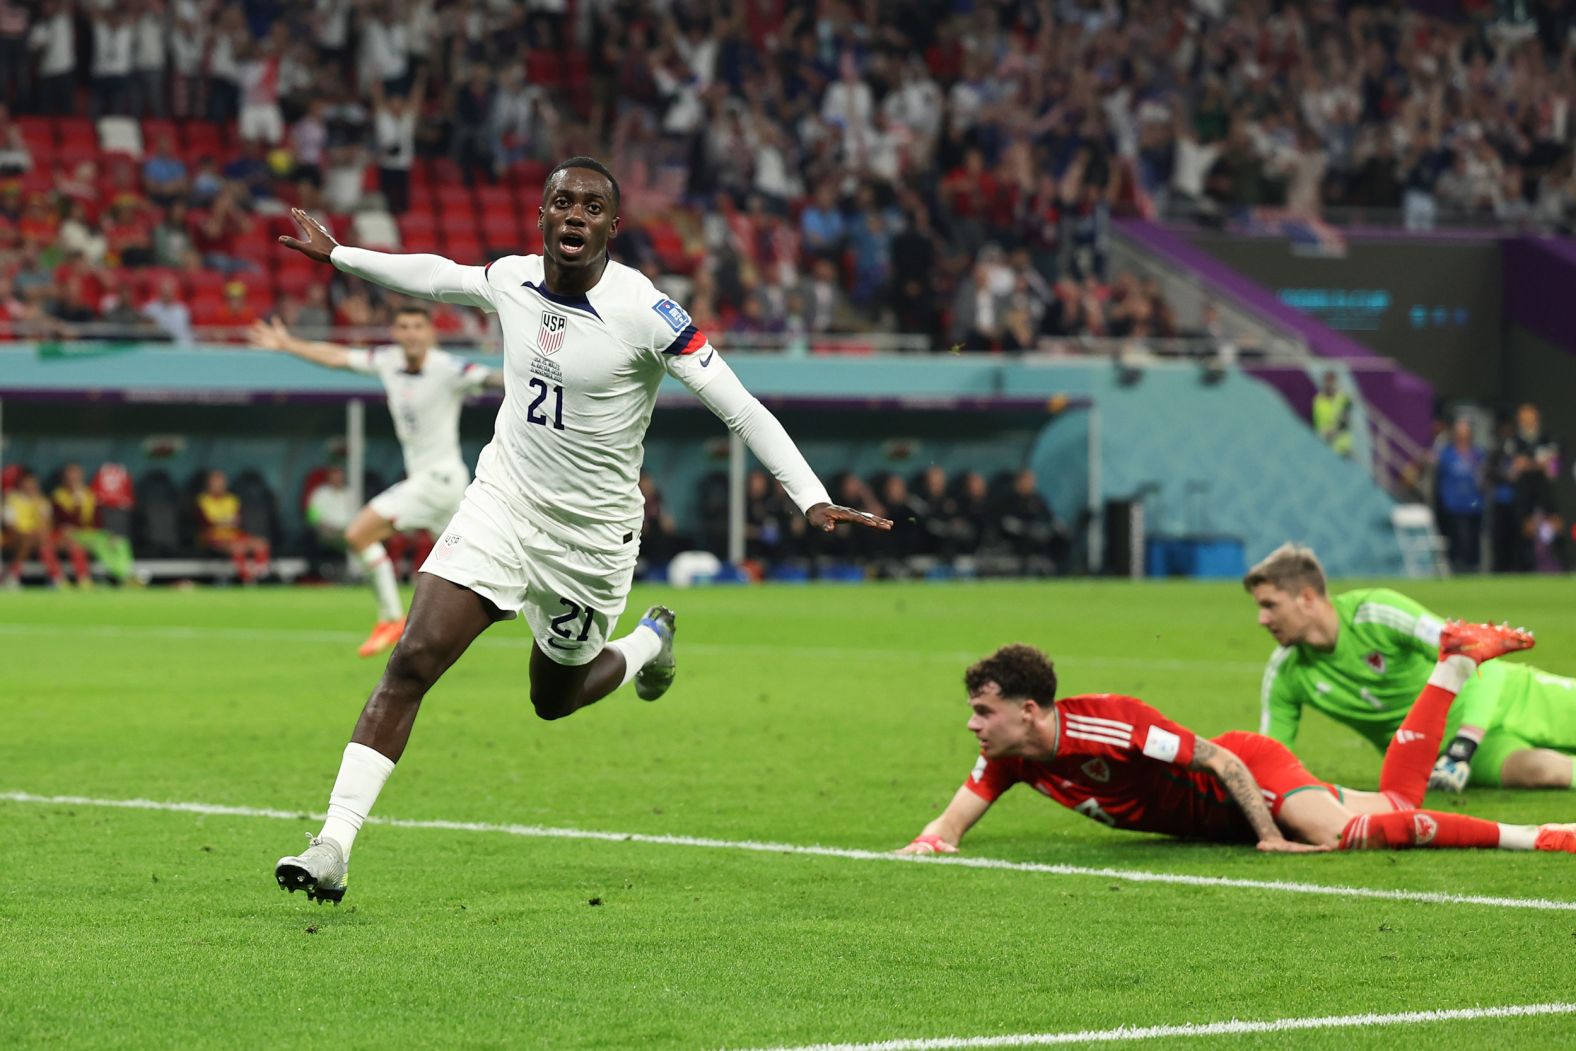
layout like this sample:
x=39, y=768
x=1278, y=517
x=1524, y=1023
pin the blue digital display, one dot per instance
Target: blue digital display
x=1366, y=309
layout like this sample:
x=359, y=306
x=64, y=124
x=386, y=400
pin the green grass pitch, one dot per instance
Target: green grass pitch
x=810, y=715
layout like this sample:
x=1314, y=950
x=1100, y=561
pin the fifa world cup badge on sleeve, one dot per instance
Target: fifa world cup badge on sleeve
x=673, y=314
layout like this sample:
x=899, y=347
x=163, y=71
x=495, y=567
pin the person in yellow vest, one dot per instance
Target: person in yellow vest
x=219, y=519
x=29, y=530
x=1332, y=415
x=77, y=528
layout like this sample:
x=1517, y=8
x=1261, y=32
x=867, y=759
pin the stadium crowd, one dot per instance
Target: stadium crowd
x=212, y=529
x=792, y=169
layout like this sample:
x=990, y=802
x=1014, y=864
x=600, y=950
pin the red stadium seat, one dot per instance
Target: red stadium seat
x=40, y=139
x=296, y=282
x=203, y=138
x=498, y=199
x=206, y=309
x=529, y=177
x=467, y=251
x=146, y=280
x=154, y=129
x=443, y=171
x=453, y=198
x=424, y=241
x=463, y=225
x=76, y=130
x=544, y=67
x=70, y=154
x=414, y=221
x=205, y=283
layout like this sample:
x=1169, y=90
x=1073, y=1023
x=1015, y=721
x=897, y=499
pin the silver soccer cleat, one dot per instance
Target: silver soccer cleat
x=653, y=680
x=321, y=870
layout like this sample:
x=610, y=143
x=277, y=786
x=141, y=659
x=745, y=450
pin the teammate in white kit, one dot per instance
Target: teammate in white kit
x=550, y=527
x=426, y=388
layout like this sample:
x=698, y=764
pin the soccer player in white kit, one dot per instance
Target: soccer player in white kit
x=550, y=526
x=426, y=389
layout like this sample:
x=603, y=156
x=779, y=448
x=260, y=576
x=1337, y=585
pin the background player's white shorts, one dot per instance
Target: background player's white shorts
x=426, y=501
x=571, y=596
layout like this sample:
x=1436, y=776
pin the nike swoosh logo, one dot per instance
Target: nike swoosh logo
x=555, y=644
x=707, y=359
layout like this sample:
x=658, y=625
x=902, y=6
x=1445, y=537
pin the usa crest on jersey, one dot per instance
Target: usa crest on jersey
x=551, y=335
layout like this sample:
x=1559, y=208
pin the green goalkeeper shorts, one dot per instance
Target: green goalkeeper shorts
x=1540, y=715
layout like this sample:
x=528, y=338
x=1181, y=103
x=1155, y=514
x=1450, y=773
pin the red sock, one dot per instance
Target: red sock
x=238, y=556
x=79, y=562
x=51, y=560
x=1410, y=758
x=1404, y=829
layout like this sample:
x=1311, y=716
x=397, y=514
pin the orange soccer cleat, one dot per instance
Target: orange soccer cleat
x=384, y=635
x=1556, y=838
x=1482, y=642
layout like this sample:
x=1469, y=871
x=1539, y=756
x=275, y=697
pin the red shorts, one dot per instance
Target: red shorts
x=1280, y=774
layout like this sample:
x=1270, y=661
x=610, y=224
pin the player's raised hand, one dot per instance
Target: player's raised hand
x=268, y=335
x=826, y=516
x=931, y=844
x=319, y=242
x=1286, y=846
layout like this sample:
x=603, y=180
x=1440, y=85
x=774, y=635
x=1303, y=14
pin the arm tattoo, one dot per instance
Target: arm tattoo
x=1239, y=783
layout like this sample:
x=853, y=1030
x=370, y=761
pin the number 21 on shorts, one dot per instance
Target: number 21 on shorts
x=575, y=618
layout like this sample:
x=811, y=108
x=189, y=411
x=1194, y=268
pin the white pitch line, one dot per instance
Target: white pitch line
x=332, y=637
x=1427, y=897
x=1231, y=1028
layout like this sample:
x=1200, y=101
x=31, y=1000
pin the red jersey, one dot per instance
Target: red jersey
x=112, y=487
x=1122, y=763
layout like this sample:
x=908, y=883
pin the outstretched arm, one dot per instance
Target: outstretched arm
x=426, y=276
x=943, y=835
x=1238, y=782
x=720, y=390
x=273, y=335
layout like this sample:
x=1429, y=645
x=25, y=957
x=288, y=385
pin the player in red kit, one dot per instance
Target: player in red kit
x=1119, y=761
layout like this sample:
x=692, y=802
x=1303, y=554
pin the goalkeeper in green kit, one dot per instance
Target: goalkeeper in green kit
x=1363, y=657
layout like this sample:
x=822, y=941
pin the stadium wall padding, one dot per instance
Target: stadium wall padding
x=1228, y=457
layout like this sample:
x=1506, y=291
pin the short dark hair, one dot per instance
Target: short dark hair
x=590, y=163
x=413, y=308
x=1020, y=672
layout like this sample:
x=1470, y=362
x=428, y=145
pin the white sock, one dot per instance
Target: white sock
x=638, y=647
x=1453, y=672
x=362, y=774
x=1518, y=837
x=381, y=570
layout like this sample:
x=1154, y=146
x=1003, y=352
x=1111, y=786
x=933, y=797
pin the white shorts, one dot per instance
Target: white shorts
x=262, y=123
x=426, y=501
x=571, y=596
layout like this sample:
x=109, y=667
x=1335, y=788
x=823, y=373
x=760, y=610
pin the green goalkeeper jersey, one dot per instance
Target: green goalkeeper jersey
x=1386, y=650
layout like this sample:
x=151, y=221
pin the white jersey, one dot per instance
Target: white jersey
x=580, y=382
x=426, y=404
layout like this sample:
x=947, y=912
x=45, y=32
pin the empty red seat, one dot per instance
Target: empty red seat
x=467, y=251
x=416, y=221
x=203, y=138
x=201, y=283
x=421, y=241
x=453, y=198
x=296, y=282
x=76, y=129
x=154, y=129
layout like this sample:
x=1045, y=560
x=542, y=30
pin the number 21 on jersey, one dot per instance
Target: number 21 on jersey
x=536, y=413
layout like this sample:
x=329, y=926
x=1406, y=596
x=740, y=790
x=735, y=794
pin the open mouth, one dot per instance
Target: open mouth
x=571, y=244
